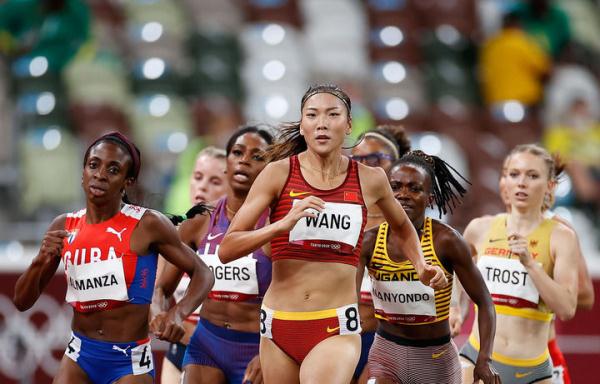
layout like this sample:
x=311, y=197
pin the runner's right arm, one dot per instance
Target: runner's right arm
x=241, y=237
x=32, y=282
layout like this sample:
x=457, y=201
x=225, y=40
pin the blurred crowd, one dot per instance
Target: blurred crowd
x=468, y=79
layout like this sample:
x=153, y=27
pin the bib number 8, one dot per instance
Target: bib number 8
x=352, y=319
x=263, y=325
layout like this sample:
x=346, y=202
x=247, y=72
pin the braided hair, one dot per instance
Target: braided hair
x=198, y=209
x=446, y=189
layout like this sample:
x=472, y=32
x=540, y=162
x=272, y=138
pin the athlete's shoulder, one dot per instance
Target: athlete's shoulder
x=482, y=222
x=440, y=228
x=370, y=172
x=561, y=220
x=282, y=165
x=446, y=239
x=58, y=222
x=154, y=219
x=191, y=230
x=563, y=230
x=276, y=171
x=372, y=178
x=477, y=228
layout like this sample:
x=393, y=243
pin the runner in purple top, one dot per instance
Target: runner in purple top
x=224, y=346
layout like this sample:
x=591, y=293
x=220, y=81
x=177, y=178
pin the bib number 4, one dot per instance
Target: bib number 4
x=141, y=359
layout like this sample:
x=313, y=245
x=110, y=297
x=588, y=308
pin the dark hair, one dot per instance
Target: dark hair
x=198, y=209
x=129, y=146
x=390, y=135
x=126, y=144
x=260, y=129
x=446, y=189
x=289, y=141
x=398, y=133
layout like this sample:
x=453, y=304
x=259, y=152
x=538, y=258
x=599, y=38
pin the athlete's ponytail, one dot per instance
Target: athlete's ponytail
x=447, y=191
x=198, y=209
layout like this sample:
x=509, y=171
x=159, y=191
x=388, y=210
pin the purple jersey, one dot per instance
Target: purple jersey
x=243, y=280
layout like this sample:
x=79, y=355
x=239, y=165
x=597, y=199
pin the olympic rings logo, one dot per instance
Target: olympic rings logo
x=25, y=347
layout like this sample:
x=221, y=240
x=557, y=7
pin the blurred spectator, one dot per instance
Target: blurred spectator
x=577, y=139
x=513, y=66
x=55, y=29
x=547, y=23
x=584, y=17
x=569, y=82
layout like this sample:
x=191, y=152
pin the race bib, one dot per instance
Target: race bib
x=103, y=280
x=508, y=282
x=234, y=281
x=405, y=302
x=335, y=228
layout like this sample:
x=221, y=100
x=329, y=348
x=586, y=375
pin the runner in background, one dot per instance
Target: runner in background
x=223, y=347
x=207, y=183
x=380, y=147
x=413, y=342
x=526, y=261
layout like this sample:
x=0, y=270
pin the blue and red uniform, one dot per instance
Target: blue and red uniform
x=104, y=273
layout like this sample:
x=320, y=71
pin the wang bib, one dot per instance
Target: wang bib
x=337, y=227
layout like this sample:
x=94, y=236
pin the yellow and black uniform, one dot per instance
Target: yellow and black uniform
x=401, y=299
x=398, y=295
x=515, y=294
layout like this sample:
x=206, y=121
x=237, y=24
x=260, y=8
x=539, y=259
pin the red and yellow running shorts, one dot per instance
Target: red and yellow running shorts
x=297, y=333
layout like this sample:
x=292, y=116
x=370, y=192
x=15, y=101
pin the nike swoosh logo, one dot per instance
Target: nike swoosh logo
x=296, y=194
x=212, y=237
x=437, y=355
x=519, y=375
x=331, y=330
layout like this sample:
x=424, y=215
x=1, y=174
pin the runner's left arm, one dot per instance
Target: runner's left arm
x=166, y=241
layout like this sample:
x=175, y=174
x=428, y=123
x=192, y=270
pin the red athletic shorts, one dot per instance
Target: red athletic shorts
x=560, y=372
x=297, y=333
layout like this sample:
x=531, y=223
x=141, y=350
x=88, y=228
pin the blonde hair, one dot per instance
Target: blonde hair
x=553, y=161
x=538, y=151
x=212, y=151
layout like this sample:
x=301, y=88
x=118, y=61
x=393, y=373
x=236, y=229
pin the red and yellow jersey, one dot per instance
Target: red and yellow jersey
x=336, y=234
